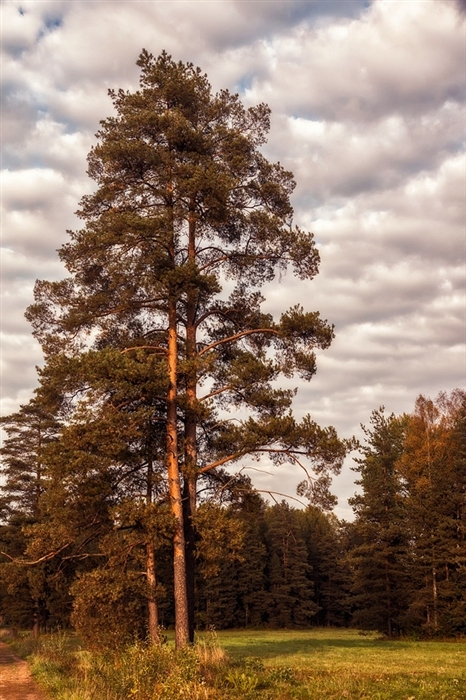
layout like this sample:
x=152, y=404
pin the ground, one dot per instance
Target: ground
x=15, y=678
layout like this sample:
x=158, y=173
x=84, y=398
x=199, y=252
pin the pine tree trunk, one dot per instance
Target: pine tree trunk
x=179, y=552
x=190, y=468
x=153, y=613
x=388, y=601
x=190, y=542
x=151, y=576
x=434, y=598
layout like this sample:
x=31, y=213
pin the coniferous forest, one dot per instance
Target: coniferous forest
x=399, y=567
x=123, y=505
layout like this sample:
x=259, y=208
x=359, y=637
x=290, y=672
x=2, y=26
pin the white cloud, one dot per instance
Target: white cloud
x=19, y=28
x=399, y=56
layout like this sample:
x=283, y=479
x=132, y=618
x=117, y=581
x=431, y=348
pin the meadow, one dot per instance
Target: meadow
x=339, y=663
x=330, y=664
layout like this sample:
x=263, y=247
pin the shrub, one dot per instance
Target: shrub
x=109, y=610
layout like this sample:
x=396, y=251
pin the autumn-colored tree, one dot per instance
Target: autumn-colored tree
x=432, y=467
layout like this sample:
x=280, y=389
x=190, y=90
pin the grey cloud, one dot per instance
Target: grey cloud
x=362, y=71
x=268, y=17
x=19, y=28
x=222, y=26
x=461, y=5
x=397, y=301
x=20, y=357
x=14, y=325
x=290, y=11
x=18, y=280
x=345, y=159
x=38, y=206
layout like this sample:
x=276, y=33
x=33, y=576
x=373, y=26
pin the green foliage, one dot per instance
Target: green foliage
x=326, y=544
x=156, y=378
x=29, y=431
x=140, y=671
x=291, y=590
x=242, y=682
x=379, y=537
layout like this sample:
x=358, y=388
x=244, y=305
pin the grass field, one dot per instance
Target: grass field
x=347, y=664
x=317, y=664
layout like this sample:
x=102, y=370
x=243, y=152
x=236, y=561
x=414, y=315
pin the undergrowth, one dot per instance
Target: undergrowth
x=205, y=672
x=146, y=672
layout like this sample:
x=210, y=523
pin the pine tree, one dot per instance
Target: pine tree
x=185, y=200
x=231, y=590
x=251, y=569
x=28, y=433
x=106, y=496
x=325, y=542
x=453, y=615
x=379, y=547
x=291, y=591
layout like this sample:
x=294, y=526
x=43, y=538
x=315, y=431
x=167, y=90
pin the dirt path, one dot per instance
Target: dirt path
x=15, y=678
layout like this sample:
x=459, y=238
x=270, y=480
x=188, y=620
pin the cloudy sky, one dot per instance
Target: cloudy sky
x=368, y=112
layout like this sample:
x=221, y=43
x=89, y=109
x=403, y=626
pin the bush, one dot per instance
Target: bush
x=109, y=609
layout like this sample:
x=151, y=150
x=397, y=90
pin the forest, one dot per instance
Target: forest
x=124, y=508
x=398, y=568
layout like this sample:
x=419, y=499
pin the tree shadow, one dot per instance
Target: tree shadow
x=261, y=647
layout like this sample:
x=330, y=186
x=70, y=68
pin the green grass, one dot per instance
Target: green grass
x=334, y=664
x=317, y=664
x=336, y=649
x=338, y=664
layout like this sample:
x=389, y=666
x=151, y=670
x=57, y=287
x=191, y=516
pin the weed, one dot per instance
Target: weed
x=209, y=651
x=242, y=681
x=282, y=674
x=254, y=665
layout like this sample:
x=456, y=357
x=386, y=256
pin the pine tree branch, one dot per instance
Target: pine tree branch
x=46, y=557
x=156, y=348
x=228, y=387
x=237, y=336
x=272, y=494
x=223, y=460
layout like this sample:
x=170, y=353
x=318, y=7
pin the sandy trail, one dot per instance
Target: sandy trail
x=15, y=678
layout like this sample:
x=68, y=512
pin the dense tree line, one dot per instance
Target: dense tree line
x=399, y=567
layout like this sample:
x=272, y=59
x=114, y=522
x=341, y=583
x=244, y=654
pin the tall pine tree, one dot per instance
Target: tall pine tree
x=378, y=551
x=185, y=200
